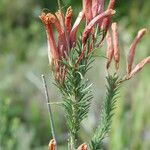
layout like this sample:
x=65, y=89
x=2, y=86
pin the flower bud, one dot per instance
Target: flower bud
x=116, y=44
x=131, y=54
x=52, y=145
x=82, y=147
x=110, y=49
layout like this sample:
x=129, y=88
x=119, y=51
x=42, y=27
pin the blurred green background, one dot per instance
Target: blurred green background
x=24, y=122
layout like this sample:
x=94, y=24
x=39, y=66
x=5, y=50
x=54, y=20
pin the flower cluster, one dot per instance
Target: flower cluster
x=92, y=14
x=112, y=40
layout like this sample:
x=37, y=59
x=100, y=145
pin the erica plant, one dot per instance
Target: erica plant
x=70, y=58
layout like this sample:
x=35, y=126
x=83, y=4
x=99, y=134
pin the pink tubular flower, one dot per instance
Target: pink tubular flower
x=89, y=27
x=116, y=44
x=100, y=6
x=98, y=18
x=87, y=9
x=110, y=49
x=52, y=145
x=107, y=20
x=105, y=24
x=53, y=53
x=111, y=4
x=95, y=6
x=66, y=36
x=82, y=147
x=75, y=28
x=131, y=53
x=139, y=66
x=68, y=19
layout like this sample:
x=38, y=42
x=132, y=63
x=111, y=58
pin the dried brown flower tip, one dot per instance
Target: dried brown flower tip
x=131, y=54
x=52, y=145
x=116, y=44
x=110, y=49
x=139, y=66
x=82, y=147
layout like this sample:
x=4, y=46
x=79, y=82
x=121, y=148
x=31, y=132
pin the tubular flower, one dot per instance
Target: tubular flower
x=94, y=14
x=68, y=19
x=113, y=51
x=131, y=53
x=91, y=24
x=88, y=29
x=105, y=24
x=116, y=44
x=87, y=10
x=97, y=8
x=110, y=49
x=100, y=6
x=82, y=147
x=75, y=28
x=66, y=35
x=52, y=145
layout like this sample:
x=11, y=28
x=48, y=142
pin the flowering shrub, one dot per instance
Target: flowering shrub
x=70, y=57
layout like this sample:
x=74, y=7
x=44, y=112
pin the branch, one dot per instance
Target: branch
x=107, y=112
x=49, y=107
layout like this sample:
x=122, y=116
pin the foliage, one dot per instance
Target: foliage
x=107, y=111
x=76, y=90
x=8, y=126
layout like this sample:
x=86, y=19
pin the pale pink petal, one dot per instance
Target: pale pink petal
x=75, y=28
x=139, y=66
x=110, y=49
x=131, y=54
x=116, y=44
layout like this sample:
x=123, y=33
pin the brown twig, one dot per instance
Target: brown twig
x=49, y=107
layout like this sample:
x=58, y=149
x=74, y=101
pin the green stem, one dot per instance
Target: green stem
x=74, y=132
x=72, y=142
x=106, y=113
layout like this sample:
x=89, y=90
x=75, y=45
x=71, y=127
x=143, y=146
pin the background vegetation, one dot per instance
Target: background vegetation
x=24, y=122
